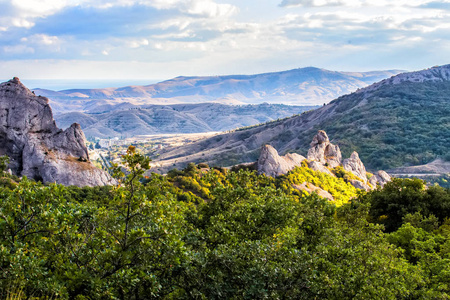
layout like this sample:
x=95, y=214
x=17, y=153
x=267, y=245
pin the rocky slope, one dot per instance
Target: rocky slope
x=305, y=86
x=181, y=118
x=400, y=121
x=36, y=147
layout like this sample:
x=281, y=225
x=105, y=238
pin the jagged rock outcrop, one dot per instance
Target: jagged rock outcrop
x=37, y=148
x=381, y=178
x=322, y=157
x=355, y=166
x=272, y=164
x=323, y=151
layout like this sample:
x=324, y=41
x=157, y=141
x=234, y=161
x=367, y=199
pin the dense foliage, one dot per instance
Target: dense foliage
x=206, y=233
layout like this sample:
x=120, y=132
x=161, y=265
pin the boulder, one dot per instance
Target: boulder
x=381, y=178
x=355, y=166
x=311, y=188
x=37, y=148
x=272, y=164
x=359, y=184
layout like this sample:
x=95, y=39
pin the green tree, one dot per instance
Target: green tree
x=389, y=205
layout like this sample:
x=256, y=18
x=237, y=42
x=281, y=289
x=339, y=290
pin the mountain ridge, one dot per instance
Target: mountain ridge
x=301, y=86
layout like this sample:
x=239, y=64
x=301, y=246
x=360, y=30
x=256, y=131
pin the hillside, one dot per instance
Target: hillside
x=304, y=86
x=127, y=120
x=404, y=120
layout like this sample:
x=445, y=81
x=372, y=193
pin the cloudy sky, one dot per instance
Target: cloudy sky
x=161, y=39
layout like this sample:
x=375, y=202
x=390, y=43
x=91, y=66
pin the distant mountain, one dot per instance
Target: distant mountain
x=404, y=120
x=126, y=120
x=305, y=86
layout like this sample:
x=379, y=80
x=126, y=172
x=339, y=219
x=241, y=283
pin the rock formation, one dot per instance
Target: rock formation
x=272, y=164
x=322, y=156
x=36, y=147
x=355, y=166
x=381, y=178
x=323, y=151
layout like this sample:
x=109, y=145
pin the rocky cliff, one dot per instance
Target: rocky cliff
x=37, y=148
x=323, y=156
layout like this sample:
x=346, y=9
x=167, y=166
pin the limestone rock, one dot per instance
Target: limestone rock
x=311, y=188
x=381, y=178
x=272, y=164
x=333, y=156
x=316, y=166
x=355, y=165
x=359, y=184
x=320, y=138
x=323, y=151
x=37, y=148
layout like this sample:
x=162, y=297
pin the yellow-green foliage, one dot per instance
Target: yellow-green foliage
x=341, y=173
x=337, y=187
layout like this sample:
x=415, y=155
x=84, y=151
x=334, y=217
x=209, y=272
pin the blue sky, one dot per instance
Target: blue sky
x=161, y=39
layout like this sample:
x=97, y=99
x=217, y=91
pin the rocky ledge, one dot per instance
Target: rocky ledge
x=37, y=148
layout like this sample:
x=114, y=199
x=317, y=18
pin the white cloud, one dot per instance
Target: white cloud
x=137, y=43
x=18, y=22
x=208, y=35
x=18, y=49
x=42, y=39
x=40, y=8
x=209, y=8
x=358, y=3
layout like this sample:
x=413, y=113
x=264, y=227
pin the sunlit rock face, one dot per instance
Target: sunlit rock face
x=272, y=164
x=37, y=148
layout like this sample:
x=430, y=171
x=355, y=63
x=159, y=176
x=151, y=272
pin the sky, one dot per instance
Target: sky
x=162, y=39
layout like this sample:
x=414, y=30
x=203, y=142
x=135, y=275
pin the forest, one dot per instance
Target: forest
x=214, y=233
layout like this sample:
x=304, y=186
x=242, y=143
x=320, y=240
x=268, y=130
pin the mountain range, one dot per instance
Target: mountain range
x=128, y=120
x=403, y=120
x=303, y=86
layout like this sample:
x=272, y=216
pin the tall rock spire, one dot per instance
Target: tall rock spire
x=37, y=147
